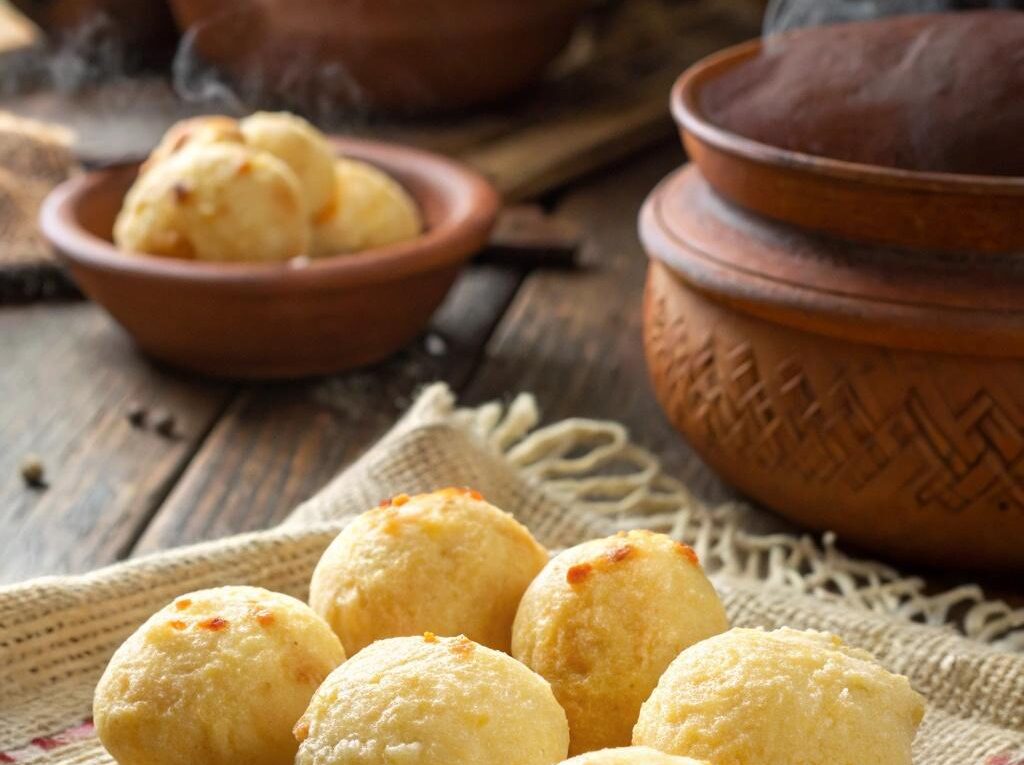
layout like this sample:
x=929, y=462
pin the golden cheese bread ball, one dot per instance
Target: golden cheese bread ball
x=196, y=131
x=603, y=621
x=631, y=755
x=778, y=698
x=217, y=677
x=300, y=146
x=217, y=202
x=445, y=562
x=432, y=701
x=371, y=209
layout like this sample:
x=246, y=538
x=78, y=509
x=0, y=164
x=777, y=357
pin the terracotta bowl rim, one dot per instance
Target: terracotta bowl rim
x=471, y=208
x=688, y=114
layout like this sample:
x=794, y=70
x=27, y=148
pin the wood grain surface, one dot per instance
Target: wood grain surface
x=277, y=444
x=68, y=377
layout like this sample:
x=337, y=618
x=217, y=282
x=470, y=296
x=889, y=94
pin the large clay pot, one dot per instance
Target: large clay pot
x=143, y=29
x=849, y=383
x=394, y=55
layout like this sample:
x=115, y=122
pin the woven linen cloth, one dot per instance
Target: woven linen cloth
x=569, y=481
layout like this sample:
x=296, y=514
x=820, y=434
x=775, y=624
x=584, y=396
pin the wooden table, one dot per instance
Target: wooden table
x=244, y=455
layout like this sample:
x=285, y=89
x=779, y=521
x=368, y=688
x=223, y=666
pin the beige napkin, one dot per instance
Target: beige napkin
x=569, y=481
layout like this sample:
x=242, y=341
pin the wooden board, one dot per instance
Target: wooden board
x=66, y=380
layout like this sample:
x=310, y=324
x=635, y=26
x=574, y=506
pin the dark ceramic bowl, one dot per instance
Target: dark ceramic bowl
x=392, y=55
x=282, y=320
x=905, y=131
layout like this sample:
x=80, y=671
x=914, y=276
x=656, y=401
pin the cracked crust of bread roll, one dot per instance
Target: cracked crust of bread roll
x=603, y=621
x=302, y=147
x=432, y=701
x=195, y=131
x=447, y=562
x=777, y=698
x=218, y=677
x=370, y=209
x=215, y=202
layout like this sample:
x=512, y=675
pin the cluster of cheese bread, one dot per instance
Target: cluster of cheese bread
x=468, y=646
x=266, y=188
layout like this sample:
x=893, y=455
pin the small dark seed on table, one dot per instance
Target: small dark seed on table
x=137, y=415
x=164, y=424
x=33, y=472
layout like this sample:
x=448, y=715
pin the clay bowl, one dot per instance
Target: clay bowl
x=390, y=55
x=904, y=131
x=834, y=347
x=277, y=321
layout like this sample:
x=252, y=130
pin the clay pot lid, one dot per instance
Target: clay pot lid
x=958, y=304
x=926, y=123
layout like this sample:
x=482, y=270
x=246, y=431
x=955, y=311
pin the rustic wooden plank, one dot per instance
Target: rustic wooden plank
x=66, y=377
x=574, y=337
x=278, y=444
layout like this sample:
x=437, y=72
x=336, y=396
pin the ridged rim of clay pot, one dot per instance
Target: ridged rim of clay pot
x=686, y=109
x=918, y=322
x=472, y=205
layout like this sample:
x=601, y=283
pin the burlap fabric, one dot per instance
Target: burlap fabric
x=34, y=158
x=569, y=481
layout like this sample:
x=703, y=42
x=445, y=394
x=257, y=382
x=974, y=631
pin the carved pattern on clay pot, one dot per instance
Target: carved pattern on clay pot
x=934, y=442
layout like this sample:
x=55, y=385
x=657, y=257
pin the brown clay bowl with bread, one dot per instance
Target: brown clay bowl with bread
x=844, y=341
x=288, y=320
x=390, y=55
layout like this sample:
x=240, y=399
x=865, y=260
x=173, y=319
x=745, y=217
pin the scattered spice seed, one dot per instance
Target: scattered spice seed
x=164, y=424
x=33, y=472
x=137, y=415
